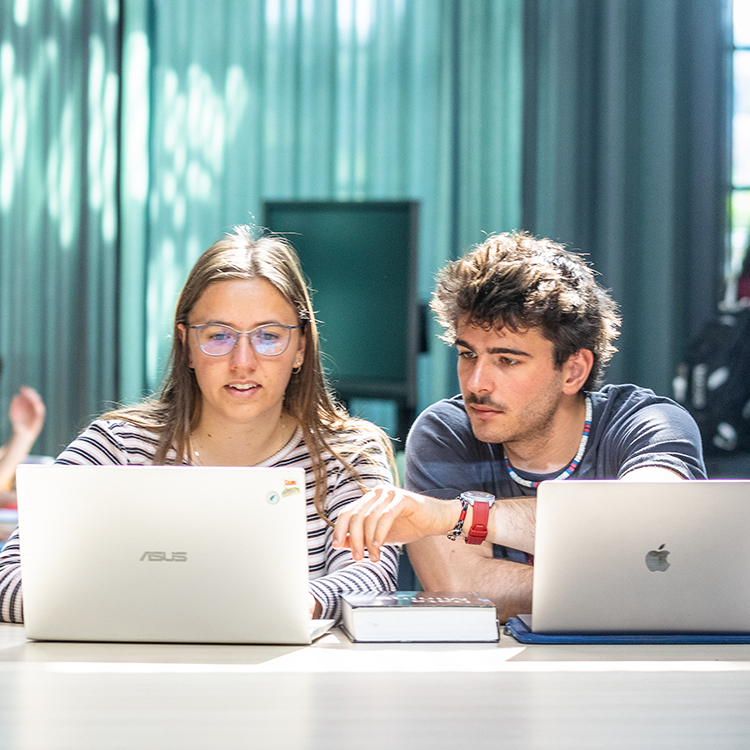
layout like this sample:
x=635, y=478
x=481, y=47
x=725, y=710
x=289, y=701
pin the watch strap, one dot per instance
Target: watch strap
x=478, y=531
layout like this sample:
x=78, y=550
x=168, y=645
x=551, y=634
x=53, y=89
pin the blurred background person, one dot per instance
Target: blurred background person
x=26, y=414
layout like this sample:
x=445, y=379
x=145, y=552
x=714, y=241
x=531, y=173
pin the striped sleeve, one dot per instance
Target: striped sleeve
x=11, y=601
x=342, y=574
x=103, y=443
x=109, y=442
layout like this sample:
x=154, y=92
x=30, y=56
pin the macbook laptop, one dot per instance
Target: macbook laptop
x=165, y=554
x=633, y=557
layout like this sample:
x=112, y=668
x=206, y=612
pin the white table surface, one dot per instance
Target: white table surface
x=335, y=694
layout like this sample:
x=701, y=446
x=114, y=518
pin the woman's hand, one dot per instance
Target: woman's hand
x=316, y=608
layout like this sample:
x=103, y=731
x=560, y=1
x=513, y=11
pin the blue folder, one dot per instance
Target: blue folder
x=520, y=631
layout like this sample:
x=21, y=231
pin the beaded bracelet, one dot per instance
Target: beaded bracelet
x=459, y=527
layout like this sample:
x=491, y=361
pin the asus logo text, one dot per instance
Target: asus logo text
x=163, y=557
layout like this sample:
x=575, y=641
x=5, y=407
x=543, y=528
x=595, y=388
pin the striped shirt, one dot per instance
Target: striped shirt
x=332, y=572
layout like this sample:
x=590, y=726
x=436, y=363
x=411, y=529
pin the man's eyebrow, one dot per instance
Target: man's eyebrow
x=495, y=349
x=461, y=342
x=507, y=350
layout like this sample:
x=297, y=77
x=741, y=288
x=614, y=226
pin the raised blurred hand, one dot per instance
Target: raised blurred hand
x=26, y=414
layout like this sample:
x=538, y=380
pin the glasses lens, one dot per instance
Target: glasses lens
x=216, y=340
x=270, y=340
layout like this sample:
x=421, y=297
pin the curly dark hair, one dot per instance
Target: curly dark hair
x=516, y=281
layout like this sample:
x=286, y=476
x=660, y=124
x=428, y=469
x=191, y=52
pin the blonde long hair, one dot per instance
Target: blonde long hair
x=176, y=411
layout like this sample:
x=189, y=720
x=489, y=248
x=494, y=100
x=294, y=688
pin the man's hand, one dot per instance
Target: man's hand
x=26, y=414
x=389, y=515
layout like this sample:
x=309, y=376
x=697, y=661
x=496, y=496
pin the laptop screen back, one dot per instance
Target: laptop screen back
x=636, y=557
x=164, y=554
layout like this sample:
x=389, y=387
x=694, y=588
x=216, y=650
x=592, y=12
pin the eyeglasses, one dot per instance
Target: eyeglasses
x=268, y=341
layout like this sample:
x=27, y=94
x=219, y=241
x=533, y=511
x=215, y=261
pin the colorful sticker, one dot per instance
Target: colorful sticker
x=290, y=487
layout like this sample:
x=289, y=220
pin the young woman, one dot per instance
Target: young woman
x=245, y=387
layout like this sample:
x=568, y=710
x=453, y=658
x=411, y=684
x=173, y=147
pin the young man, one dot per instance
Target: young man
x=533, y=331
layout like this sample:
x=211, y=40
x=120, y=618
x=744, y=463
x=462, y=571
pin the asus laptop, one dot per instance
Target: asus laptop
x=165, y=554
x=634, y=557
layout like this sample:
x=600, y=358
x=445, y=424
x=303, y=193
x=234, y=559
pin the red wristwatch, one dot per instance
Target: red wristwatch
x=481, y=502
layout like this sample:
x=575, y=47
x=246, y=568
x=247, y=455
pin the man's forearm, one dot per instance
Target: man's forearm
x=389, y=515
x=442, y=565
x=513, y=523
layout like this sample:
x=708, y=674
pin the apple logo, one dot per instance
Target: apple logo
x=656, y=559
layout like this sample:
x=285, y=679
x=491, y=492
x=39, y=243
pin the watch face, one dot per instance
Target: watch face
x=475, y=496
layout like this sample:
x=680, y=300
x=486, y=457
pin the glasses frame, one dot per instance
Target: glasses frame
x=198, y=329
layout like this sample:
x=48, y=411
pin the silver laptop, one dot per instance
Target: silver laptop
x=633, y=557
x=165, y=554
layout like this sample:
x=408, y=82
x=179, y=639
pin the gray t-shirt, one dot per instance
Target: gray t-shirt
x=631, y=427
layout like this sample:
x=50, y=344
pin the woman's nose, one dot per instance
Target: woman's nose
x=244, y=353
